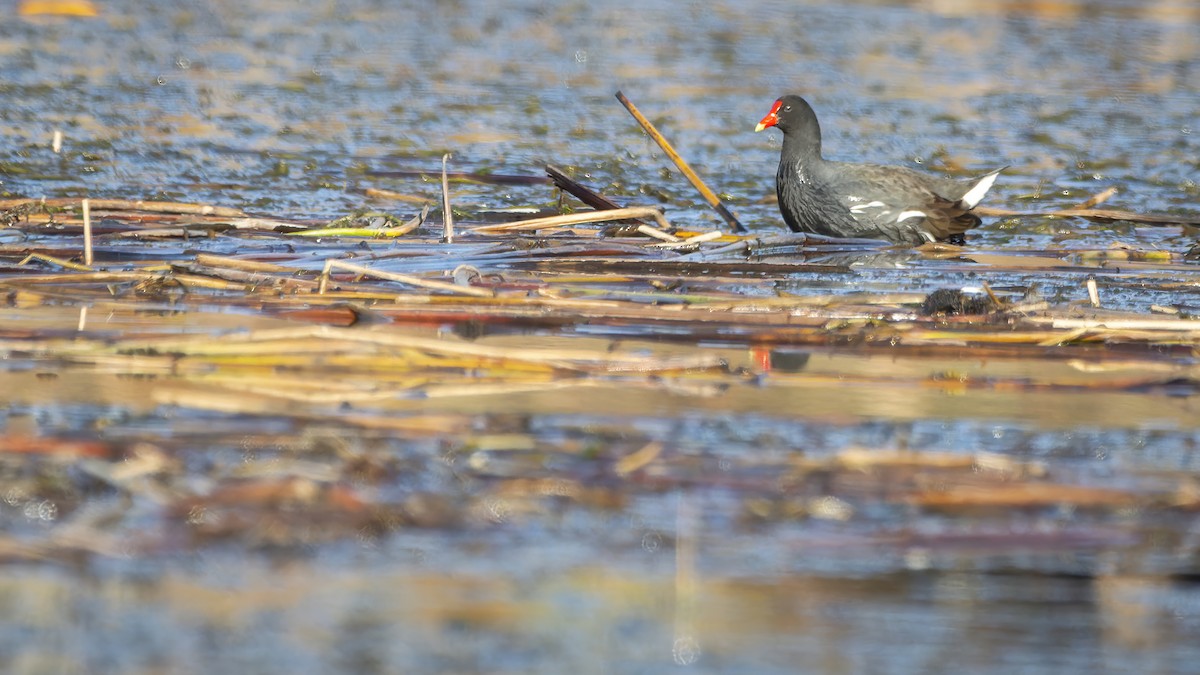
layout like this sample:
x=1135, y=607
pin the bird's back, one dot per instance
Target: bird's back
x=910, y=206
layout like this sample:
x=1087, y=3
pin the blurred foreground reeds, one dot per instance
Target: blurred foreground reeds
x=389, y=376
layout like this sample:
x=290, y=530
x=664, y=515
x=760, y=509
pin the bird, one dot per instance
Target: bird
x=870, y=201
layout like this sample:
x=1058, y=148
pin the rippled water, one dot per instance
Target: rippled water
x=284, y=106
x=294, y=108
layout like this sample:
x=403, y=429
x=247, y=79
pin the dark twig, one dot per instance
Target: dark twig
x=580, y=191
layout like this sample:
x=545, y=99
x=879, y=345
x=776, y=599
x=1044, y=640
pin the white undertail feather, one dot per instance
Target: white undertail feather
x=976, y=194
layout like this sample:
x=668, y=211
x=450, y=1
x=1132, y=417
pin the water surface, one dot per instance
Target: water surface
x=498, y=533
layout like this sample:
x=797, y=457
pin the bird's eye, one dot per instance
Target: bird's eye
x=787, y=108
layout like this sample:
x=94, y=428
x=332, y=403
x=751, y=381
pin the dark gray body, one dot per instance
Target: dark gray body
x=818, y=197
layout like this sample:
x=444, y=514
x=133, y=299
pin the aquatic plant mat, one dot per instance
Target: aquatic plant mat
x=214, y=376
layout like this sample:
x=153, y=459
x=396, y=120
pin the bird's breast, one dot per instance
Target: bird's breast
x=794, y=173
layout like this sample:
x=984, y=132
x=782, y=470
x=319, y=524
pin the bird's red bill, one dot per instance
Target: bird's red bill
x=772, y=117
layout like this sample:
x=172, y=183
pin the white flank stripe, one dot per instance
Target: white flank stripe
x=905, y=215
x=869, y=205
x=976, y=194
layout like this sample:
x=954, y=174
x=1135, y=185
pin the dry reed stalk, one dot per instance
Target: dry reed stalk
x=54, y=261
x=996, y=302
x=221, y=400
x=247, y=278
x=226, y=262
x=164, y=232
x=476, y=388
x=370, y=295
x=638, y=459
x=317, y=339
x=535, y=224
x=1092, y=291
x=190, y=281
x=87, y=232
x=605, y=312
x=368, y=231
x=420, y=426
x=268, y=224
x=1099, y=214
x=658, y=234
x=415, y=222
x=310, y=390
x=700, y=267
x=1171, y=325
x=167, y=207
x=865, y=459
x=1065, y=338
x=447, y=214
x=420, y=282
x=705, y=236
x=1023, y=495
x=323, y=284
x=1098, y=198
x=132, y=205
x=690, y=241
x=709, y=196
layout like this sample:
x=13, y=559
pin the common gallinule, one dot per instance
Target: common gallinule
x=841, y=199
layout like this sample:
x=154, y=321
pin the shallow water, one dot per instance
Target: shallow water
x=511, y=551
x=285, y=106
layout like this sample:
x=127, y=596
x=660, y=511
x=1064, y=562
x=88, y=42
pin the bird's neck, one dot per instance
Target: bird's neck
x=802, y=150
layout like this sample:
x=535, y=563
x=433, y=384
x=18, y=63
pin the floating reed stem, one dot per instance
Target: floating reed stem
x=420, y=282
x=53, y=260
x=534, y=224
x=131, y=205
x=657, y=234
x=709, y=195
